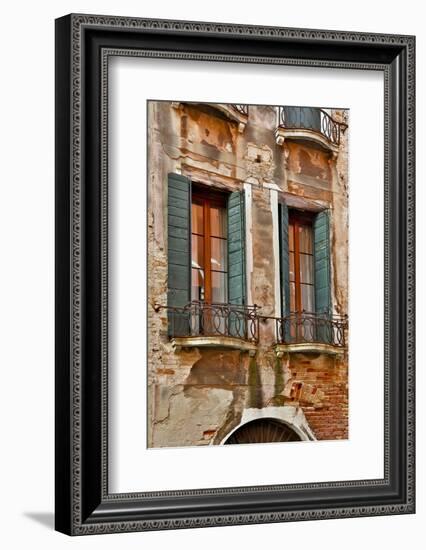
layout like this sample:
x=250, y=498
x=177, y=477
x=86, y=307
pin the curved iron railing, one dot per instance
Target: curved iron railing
x=240, y=108
x=204, y=319
x=237, y=321
x=311, y=118
x=298, y=328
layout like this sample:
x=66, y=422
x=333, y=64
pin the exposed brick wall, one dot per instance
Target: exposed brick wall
x=319, y=385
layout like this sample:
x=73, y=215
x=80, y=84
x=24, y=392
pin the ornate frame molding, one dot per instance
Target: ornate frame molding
x=83, y=504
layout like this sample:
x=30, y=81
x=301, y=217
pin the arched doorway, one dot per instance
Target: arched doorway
x=263, y=430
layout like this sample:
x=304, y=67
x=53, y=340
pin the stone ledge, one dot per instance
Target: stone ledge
x=227, y=342
x=281, y=134
x=308, y=347
x=225, y=109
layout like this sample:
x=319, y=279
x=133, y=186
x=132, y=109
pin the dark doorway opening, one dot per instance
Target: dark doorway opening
x=263, y=430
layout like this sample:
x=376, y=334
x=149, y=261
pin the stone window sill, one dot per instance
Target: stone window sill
x=308, y=347
x=226, y=342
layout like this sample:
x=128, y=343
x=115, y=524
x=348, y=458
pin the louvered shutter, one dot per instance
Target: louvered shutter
x=237, y=325
x=310, y=118
x=285, y=262
x=236, y=249
x=285, y=270
x=178, y=252
x=322, y=272
x=322, y=263
x=302, y=117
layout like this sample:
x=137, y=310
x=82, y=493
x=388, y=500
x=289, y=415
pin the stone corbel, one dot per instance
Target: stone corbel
x=279, y=138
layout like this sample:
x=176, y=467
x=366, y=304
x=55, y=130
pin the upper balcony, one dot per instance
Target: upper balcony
x=236, y=112
x=232, y=111
x=309, y=123
x=311, y=332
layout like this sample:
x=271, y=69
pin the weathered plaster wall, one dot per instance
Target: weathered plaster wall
x=340, y=221
x=197, y=396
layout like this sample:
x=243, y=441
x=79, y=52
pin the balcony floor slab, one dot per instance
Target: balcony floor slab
x=308, y=347
x=213, y=342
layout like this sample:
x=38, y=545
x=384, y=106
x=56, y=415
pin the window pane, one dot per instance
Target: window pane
x=292, y=274
x=291, y=237
x=219, y=254
x=197, y=286
x=197, y=251
x=307, y=292
x=217, y=221
x=306, y=268
x=305, y=238
x=292, y=297
x=197, y=220
x=219, y=287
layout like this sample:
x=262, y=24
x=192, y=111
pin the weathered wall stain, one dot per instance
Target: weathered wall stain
x=220, y=368
x=308, y=160
x=255, y=398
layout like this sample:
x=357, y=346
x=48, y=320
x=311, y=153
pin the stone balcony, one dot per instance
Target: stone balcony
x=311, y=124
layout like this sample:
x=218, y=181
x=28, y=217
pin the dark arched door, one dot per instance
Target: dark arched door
x=263, y=430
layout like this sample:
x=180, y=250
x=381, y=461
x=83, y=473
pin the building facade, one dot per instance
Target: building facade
x=247, y=274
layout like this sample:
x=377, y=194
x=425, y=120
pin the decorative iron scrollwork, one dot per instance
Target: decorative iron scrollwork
x=311, y=118
x=298, y=328
x=210, y=319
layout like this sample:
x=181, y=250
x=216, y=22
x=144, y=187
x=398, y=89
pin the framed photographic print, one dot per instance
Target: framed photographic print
x=234, y=274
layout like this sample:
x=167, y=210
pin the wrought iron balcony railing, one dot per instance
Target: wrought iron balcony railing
x=300, y=328
x=203, y=319
x=240, y=108
x=198, y=319
x=311, y=118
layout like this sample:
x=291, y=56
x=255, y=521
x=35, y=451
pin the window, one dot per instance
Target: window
x=209, y=258
x=301, y=262
x=305, y=261
x=305, y=276
x=206, y=260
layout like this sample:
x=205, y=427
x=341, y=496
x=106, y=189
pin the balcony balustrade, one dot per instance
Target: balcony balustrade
x=309, y=328
x=240, y=108
x=312, y=119
x=214, y=320
x=202, y=321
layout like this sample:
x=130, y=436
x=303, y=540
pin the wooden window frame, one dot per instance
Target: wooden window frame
x=296, y=219
x=208, y=198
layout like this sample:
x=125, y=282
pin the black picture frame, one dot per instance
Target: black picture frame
x=83, y=504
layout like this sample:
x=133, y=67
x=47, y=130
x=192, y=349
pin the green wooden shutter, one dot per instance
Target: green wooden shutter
x=310, y=118
x=178, y=252
x=237, y=325
x=285, y=270
x=303, y=117
x=285, y=262
x=236, y=249
x=322, y=263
